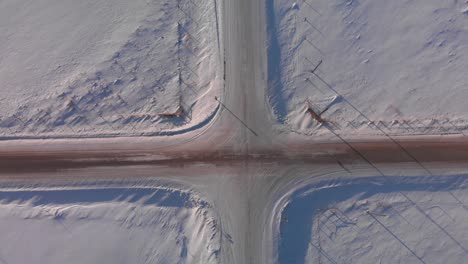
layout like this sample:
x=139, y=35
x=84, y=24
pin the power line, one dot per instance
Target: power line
x=240, y=120
x=411, y=156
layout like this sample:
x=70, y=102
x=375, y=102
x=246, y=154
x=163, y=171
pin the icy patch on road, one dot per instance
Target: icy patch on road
x=372, y=220
x=399, y=65
x=107, y=225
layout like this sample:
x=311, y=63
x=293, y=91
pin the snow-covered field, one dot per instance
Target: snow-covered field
x=121, y=224
x=370, y=67
x=400, y=64
x=107, y=68
x=94, y=68
x=376, y=220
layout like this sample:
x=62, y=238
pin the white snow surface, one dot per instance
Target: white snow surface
x=100, y=68
x=93, y=68
x=376, y=220
x=106, y=225
x=400, y=64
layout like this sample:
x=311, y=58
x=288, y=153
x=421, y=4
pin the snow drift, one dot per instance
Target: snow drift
x=94, y=68
x=377, y=219
x=106, y=225
x=397, y=65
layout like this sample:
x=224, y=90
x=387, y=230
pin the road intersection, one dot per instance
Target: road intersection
x=246, y=154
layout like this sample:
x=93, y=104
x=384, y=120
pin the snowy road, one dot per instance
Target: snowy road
x=244, y=128
x=246, y=72
x=242, y=162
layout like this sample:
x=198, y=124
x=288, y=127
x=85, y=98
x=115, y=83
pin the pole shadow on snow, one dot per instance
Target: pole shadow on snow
x=310, y=202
